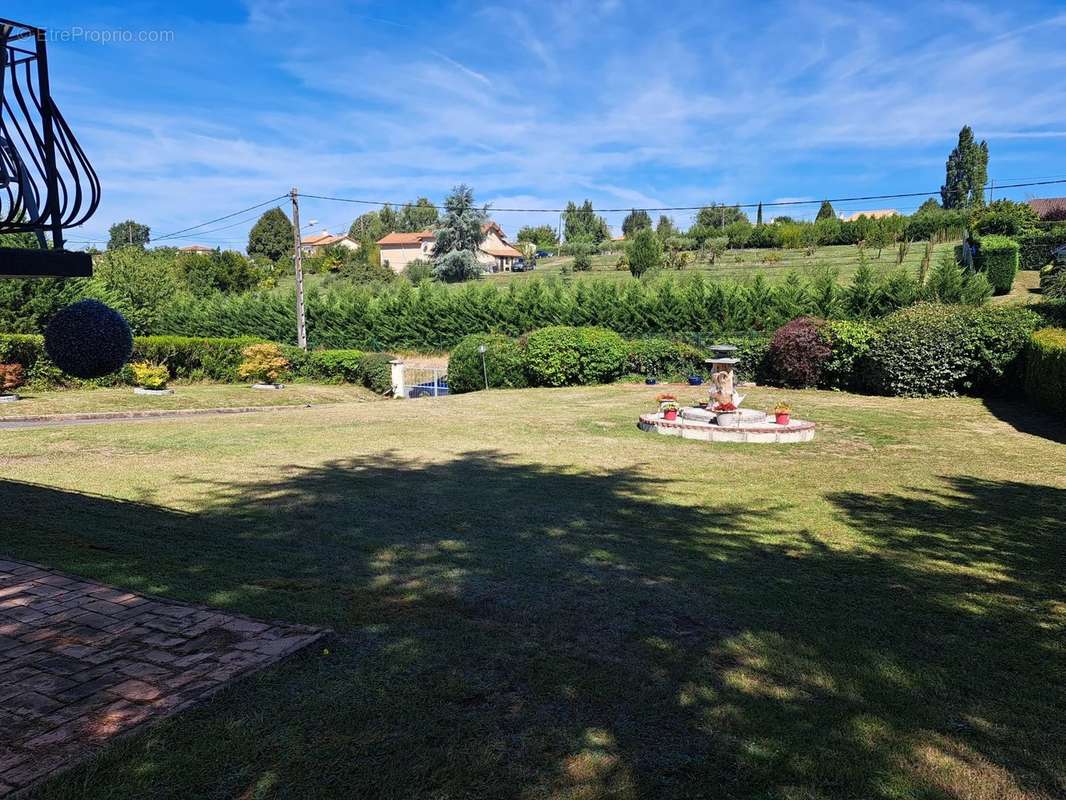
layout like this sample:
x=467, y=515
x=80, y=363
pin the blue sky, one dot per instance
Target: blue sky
x=535, y=103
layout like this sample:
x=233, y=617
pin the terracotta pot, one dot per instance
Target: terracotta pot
x=782, y=419
x=670, y=415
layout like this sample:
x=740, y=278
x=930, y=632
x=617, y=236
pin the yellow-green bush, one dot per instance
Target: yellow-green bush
x=149, y=376
x=1045, y=369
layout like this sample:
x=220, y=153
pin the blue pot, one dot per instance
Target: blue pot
x=650, y=381
x=694, y=380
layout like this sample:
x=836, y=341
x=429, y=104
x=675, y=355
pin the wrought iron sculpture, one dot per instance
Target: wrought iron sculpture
x=46, y=182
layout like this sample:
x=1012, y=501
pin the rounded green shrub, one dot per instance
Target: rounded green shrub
x=932, y=350
x=602, y=355
x=563, y=356
x=505, y=364
x=1045, y=369
x=553, y=356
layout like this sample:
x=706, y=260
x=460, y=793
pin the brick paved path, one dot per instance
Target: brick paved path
x=81, y=663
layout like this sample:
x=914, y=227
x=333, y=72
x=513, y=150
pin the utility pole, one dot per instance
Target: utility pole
x=297, y=258
x=991, y=189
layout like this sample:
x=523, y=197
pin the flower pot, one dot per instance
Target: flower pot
x=727, y=419
x=670, y=415
x=650, y=381
x=782, y=419
x=694, y=380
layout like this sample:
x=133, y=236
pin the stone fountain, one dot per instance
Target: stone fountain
x=723, y=419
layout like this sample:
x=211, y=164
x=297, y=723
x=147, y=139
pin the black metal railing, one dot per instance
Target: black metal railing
x=46, y=181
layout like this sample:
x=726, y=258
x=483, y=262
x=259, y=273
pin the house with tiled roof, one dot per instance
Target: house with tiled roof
x=399, y=249
x=316, y=243
x=196, y=248
x=877, y=213
x=1048, y=207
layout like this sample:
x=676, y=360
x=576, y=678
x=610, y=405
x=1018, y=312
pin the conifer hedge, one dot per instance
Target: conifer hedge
x=433, y=317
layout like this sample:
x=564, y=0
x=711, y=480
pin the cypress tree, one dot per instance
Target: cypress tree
x=966, y=172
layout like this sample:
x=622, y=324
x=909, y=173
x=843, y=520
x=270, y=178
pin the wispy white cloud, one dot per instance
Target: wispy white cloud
x=549, y=102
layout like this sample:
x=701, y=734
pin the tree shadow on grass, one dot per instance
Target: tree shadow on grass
x=511, y=630
x=1027, y=418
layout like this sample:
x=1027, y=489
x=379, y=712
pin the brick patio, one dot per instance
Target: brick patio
x=81, y=663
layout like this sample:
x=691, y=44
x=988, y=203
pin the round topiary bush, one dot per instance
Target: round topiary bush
x=504, y=364
x=88, y=340
x=798, y=352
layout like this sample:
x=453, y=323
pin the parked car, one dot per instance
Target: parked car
x=542, y=254
x=518, y=265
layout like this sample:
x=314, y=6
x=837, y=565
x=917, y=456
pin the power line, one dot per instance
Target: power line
x=219, y=219
x=775, y=203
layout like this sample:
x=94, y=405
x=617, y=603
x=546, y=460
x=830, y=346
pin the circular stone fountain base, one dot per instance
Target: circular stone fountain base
x=752, y=427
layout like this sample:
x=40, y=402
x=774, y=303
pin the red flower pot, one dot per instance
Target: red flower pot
x=782, y=419
x=670, y=415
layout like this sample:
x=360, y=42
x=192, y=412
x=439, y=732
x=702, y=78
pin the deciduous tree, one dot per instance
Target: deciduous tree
x=128, y=234
x=271, y=236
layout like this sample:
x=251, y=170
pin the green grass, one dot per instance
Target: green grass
x=533, y=599
x=188, y=396
x=843, y=258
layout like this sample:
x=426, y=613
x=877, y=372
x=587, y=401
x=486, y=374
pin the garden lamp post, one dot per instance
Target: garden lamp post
x=484, y=370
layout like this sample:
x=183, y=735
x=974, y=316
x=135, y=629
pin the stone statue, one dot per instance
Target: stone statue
x=723, y=388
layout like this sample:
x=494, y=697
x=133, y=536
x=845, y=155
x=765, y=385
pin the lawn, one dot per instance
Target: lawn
x=532, y=599
x=743, y=264
x=197, y=395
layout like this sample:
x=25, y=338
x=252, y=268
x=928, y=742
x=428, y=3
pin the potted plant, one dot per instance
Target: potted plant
x=665, y=397
x=11, y=377
x=782, y=413
x=150, y=379
x=264, y=364
x=669, y=410
x=726, y=414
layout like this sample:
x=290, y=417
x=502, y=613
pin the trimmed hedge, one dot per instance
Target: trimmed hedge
x=504, y=364
x=849, y=344
x=998, y=259
x=196, y=359
x=1035, y=249
x=663, y=358
x=934, y=350
x=1045, y=369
